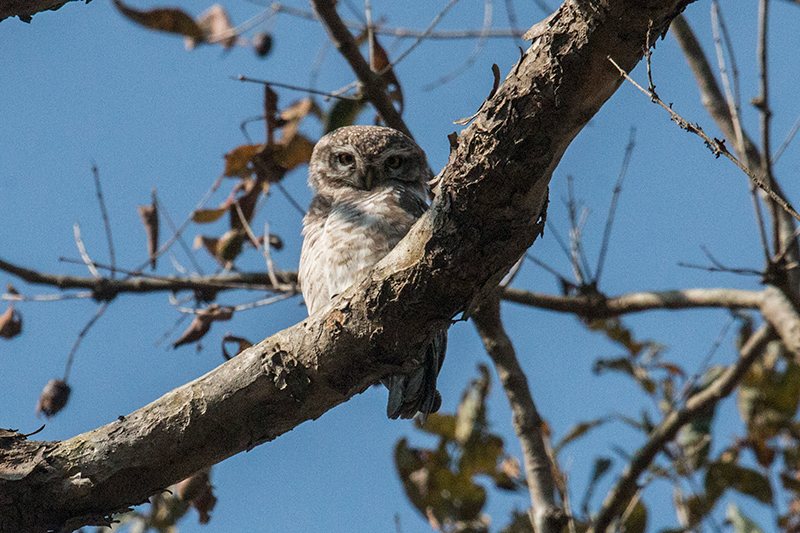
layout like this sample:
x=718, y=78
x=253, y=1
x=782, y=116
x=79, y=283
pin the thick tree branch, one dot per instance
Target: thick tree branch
x=599, y=306
x=546, y=516
x=25, y=9
x=487, y=213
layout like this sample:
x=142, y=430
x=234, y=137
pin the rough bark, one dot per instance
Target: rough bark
x=25, y=9
x=491, y=197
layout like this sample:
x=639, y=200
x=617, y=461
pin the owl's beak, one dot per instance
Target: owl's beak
x=369, y=177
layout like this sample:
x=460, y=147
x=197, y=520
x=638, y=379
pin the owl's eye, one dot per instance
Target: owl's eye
x=394, y=161
x=346, y=158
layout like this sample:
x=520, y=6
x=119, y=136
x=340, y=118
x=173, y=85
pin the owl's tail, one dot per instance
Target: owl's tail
x=415, y=393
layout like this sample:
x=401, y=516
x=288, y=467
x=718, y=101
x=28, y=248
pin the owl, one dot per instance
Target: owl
x=370, y=186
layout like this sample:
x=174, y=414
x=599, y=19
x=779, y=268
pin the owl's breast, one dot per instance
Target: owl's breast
x=359, y=234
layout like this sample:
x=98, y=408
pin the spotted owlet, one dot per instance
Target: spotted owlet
x=370, y=186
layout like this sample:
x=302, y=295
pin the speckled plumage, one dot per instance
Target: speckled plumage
x=370, y=186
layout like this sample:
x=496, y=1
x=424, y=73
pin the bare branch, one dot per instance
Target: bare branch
x=598, y=306
x=374, y=89
x=106, y=288
x=546, y=515
x=716, y=146
x=106, y=222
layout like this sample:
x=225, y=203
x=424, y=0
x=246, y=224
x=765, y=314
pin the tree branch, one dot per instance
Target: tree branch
x=626, y=486
x=599, y=306
x=546, y=516
x=487, y=213
x=25, y=9
x=374, y=88
x=718, y=109
x=107, y=288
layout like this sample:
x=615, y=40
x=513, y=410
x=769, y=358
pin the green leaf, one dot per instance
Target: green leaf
x=343, y=113
x=578, y=431
x=724, y=475
x=601, y=468
x=626, y=366
x=637, y=519
x=741, y=523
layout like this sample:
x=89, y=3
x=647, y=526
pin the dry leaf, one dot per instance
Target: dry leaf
x=216, y=27
x=238, y=161
x=167, y=20
x=262, y=44
x=10, y=323
x=296, y=152
x=206, y=216
x=149, y=216
x=53, y=398
x=241, y=341
x=202, y=323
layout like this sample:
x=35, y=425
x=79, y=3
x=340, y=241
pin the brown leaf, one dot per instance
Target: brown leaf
x=380, y=61
x=149, y=216
x=262, y=44
x=167, y=20
x=199, y=493
x=206, y=216
x=246, y=204
x=10, y=323
x=202, y=323
x=10, y=289
x=295, y=113
x=238, y=161
x=53, y=398
x=241, y=341
x=296, y=152
x=216, y=27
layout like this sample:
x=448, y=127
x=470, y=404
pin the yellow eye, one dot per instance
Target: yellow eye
x=346, y=158
x=394, y=161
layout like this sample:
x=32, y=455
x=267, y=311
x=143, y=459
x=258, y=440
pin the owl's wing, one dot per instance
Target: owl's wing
x=312, y=274
x=416, y=392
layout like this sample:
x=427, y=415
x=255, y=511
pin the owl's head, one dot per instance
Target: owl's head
x=363, y=158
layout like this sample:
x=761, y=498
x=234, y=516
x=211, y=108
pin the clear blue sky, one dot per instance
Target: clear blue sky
x=84, y=85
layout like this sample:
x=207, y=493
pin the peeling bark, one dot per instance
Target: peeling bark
x=491, y=197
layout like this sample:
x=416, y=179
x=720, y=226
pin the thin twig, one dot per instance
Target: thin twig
x=295, y=88
x=81, y=335
x=106, y=223
x=701, y=370
x=487, y=24
x=786, y=141
x=716, y=146
x=548, y=268
x=732, y=98
x=405, y=33
x=139, y=283
x=76, y=229
x=766, y=115
x=373, y=85
x=181, y=241
x=613, y=207
x=166, y=246
x=424, y=35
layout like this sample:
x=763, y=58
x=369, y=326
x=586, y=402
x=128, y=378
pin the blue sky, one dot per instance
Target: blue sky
x=83, y=85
